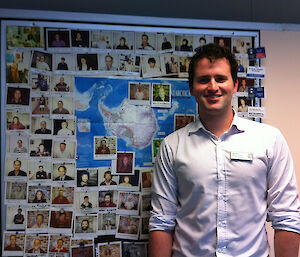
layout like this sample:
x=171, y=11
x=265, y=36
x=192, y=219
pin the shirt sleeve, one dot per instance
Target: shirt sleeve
x=282, y=197
x=164, y=191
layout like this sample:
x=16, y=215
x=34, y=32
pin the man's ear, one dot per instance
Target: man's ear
x=236, y=84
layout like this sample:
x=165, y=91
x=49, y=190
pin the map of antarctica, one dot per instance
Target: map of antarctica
x=103, y=107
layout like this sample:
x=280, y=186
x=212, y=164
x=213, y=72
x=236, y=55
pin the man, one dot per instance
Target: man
x=86, y=203
x=59, y=247
x=109, y=60
x=166, y=44
x=36, y=247
x=19, y=217
x=218, y=179
x=62, y=171
x=19, y=194
x=102, y=149
x=126, y=165
x=39, y=221
x=12, y=244
x=41, y=174
x=60, y=109
x=145, y=44
x=57, y=42
x=20, y=148
x=62, y=152
x=17, y=170
x=61, y=86
x=85, y=227
x=43, y=129
x=202, y=42
x=62, y=65
x=108, y=179
x=60, y=199
x=107, y=201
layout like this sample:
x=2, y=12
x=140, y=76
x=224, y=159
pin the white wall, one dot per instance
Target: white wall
x=282, y=88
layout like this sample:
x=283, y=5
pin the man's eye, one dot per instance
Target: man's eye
x=220, y=79
x=203, y=80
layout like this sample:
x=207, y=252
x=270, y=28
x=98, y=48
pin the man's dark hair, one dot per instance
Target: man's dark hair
x=212, y=52
x=151, y=59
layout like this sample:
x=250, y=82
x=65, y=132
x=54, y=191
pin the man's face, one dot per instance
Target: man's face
x=43, y=124
x=125, y=160
x=107, y=177
x=60, y=243
x=62, y=147
x=61, y=80
x=61, y=192
x=161, y=93
x=144, y=40
x=39, y=220
x=13, y=240
x=152, y=65
x=213, y=86
x=61, y=171
x=60, y=105
x=37, y=244
x=108, y=61
x=17, y=165
x=107, y=198
x=202, y=42
x=84, y=225
x=42, y=58
x=63, y=125
x=20, y=143
x=41, y=168
x=62, y=60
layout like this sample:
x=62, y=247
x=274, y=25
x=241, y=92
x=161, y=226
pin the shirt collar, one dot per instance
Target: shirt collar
x=237, y=124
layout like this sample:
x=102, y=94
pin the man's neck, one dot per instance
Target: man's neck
x=217, y=124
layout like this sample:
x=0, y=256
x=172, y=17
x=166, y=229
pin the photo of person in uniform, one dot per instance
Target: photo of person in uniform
x=17, y=170
x=12, y=245
x=19, y=217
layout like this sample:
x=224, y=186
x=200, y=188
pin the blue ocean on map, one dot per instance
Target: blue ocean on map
x=104, y=106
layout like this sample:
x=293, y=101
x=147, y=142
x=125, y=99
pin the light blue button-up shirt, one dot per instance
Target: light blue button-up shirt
x=216, y=194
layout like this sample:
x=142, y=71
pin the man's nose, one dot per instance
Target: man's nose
x=212, y=85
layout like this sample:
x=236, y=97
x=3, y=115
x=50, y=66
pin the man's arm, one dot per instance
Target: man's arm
x=286, y=243
x=160, y=243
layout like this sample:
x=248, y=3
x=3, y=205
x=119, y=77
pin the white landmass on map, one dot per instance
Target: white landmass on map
x=135, y=124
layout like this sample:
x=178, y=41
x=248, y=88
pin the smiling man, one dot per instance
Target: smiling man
x=217, y=180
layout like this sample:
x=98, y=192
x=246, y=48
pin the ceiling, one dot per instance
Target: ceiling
x=268, y=11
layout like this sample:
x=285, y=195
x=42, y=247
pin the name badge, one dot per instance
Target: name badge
x=241, y=156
